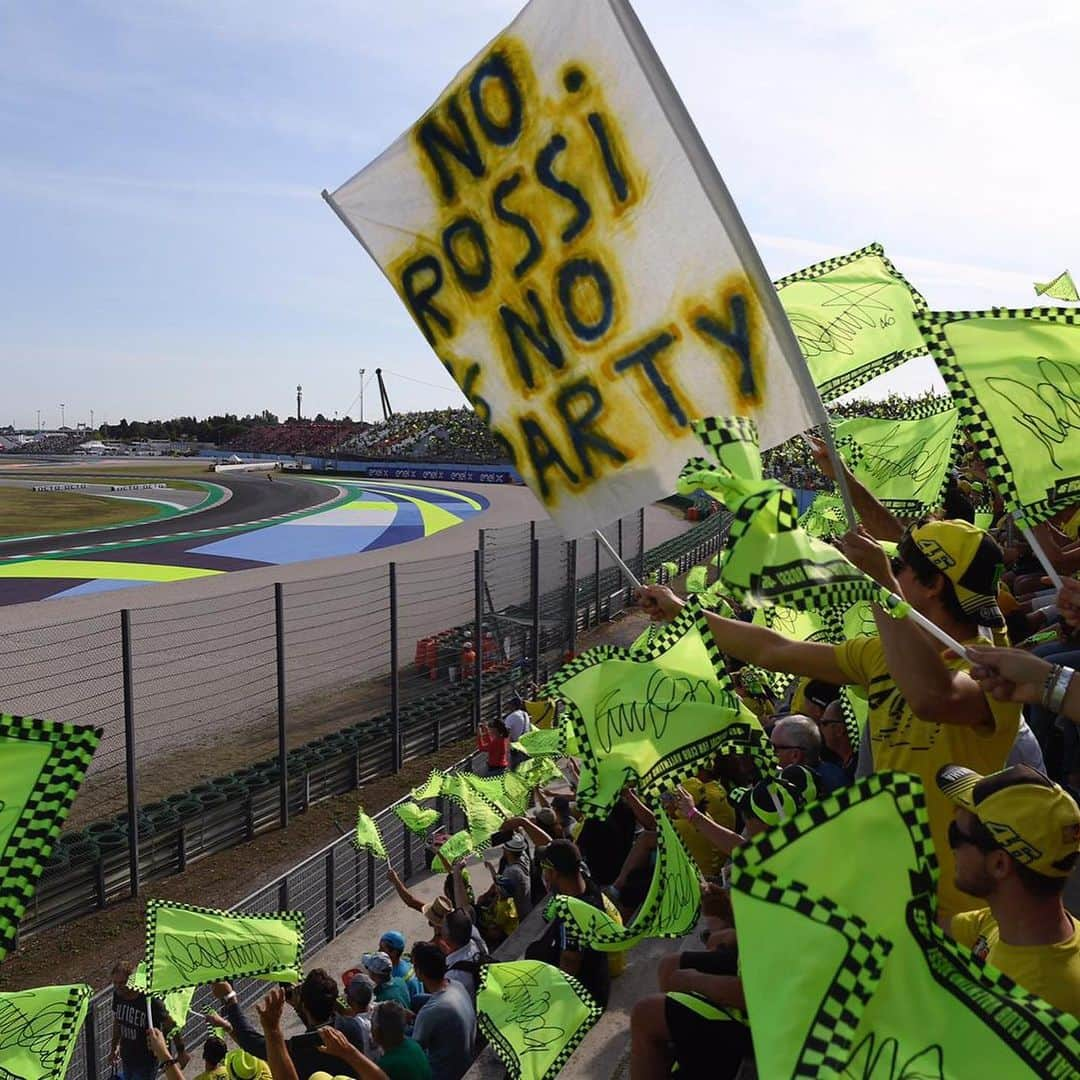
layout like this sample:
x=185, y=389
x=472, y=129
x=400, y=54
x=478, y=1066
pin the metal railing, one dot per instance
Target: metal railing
x=223, y=717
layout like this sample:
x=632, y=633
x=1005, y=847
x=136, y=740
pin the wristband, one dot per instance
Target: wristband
x=1056, y=697
x=1049, y=684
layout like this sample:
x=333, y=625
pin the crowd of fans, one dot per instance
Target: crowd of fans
x=436, y=434
x=992, y=735
x=316, y=437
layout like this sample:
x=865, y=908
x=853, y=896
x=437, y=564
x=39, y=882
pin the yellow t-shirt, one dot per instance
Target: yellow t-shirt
x=708, y=858
x=218, y=1072
x=903, y=742
x=1071, y=528
x=1051, y=972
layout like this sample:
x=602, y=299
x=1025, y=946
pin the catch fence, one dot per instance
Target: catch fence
x=223, y=717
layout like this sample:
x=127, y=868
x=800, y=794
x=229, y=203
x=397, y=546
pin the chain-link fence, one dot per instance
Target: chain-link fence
x=221, y=717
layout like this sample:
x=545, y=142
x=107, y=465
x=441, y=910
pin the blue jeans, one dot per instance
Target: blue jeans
x=1066, y=759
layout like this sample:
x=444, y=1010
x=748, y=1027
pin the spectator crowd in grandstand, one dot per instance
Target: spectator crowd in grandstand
x=992, y=736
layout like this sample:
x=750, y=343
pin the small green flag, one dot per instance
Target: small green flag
x=670, y=909
x=187, y=946
x=1061, y=288
x=984, y=519
x=697, y=579
x=509, y=791
x=39, y=1029
x=368, y=837
x=534, y=1016
x=431, y=788
x=455, y=847
x=903, y=463
x=483, y=816
x=825, y=517
x=649, y=716
x=177, y=1002
x=1015, y=378
x=42, y=764
x=879, y=990
x=543, y=742
x=768, y=559
x=416, y=819
x=854, y=317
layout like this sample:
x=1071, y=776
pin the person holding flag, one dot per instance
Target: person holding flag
x=925, y=709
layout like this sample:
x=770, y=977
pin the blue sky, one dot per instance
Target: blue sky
x=167, y=252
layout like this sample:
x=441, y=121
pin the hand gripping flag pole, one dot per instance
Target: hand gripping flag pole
x=627, y=572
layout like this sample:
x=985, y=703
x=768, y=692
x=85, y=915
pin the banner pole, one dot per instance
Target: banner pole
x=932, y=629
x=627, y=572
x=1040, y=551
x=840, y=471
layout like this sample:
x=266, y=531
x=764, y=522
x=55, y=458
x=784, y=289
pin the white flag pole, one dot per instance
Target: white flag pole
x=712, y=183
x=627, y=572
x=1040, y=551
x=932, y=629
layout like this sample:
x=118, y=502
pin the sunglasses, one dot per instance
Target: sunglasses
x=958, y=838
x=783, y=746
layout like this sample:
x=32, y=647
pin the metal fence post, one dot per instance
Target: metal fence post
x=395, y=688
x=571, y=588
x=641, y=542
x=596, y=580
x=619, y=549
x=478, y=619
x=90, y=1046
x=283, y=750
x=331, y=898
x=129, y=751
x=534, y=603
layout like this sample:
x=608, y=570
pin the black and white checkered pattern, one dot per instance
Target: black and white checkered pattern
x=45, y=801
x=974, y=418
x=155, y=907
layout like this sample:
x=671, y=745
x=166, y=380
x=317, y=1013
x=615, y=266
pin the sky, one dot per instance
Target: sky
x=166, y=250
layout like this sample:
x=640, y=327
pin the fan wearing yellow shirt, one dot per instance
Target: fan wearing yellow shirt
x=925, y=710
x=1017, y=837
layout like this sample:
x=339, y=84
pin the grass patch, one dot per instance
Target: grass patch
x=29, y=513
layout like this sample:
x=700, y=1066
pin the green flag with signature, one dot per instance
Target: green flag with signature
x=534, y=1016
x=177, y=1002
x=670, y=909
x=42, y=764
x=651, y=715
x=854, y=317
x=879, y=992
x=186, y=945
x=39, y=1029
x=1015, y=378
x=903, y=463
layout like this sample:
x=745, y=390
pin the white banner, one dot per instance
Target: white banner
x=562, y=238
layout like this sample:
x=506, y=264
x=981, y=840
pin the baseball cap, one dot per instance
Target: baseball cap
x=969, y=558
x=241, y=1065
x=515, y=843
x=771, y=801
x=378, y=963
x=1033, y=819
x=395, y=939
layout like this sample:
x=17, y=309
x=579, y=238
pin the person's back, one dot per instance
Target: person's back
x=406, y=1061
x=445, y=1027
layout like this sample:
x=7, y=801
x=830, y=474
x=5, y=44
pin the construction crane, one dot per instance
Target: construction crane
x=384, y=397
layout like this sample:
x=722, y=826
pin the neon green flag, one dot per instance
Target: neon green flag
x=368, y=837
x=670, y=909
x=984, y=519
x=534, y=1016
x=792, y=623
x=650, y=716
x=1015, y=377
x=482, y=816
x=416, y=818
x=39, y=1029
x=42, y=764
x=903, y=463
x=854, y=317
x=1061, y=288
x=431, y=788
x=186, y=946
x=825, y=517
x=878, y=990
x=697, y=579
x=177, y=1002
x=543, y=742
x=509, y=791
x=455, y=847
x=768, y=560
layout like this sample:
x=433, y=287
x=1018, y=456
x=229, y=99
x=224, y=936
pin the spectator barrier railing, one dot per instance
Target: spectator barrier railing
x=222, y=717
